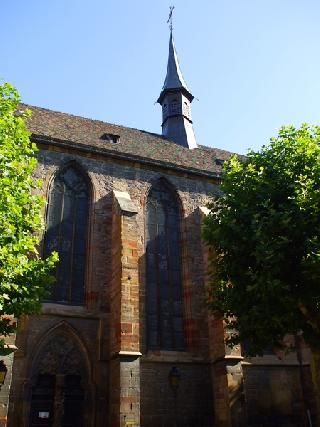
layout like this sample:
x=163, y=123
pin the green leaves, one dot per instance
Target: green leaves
x=265, y=230
x=23, y=274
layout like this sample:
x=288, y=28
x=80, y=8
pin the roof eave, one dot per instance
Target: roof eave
x=175, y=90
x=45, y=140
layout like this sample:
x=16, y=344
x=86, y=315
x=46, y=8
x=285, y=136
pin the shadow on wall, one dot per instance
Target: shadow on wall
x=191, y=403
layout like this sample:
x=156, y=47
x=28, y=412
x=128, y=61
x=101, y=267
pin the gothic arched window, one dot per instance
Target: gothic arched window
x=67, y=230
x=164, y=305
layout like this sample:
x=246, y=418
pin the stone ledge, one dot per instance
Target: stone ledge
x=256, y=362
x=67, y=310
x=125, y=354
x=273, y=365
x=125, y=202
x=173, y=357
x=129, y=353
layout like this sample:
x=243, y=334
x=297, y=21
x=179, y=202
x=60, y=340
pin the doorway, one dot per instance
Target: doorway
x=57, y=401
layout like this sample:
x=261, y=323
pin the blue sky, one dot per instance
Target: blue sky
x=252, y=65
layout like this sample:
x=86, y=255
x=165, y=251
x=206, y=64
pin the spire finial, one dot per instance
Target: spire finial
x=170, y=18
x=175, y=99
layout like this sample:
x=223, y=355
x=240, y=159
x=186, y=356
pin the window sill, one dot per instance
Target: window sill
x=172, y=357
x=49, y=308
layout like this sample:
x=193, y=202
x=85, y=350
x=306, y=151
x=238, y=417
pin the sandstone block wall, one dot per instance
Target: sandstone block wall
x=111, y=321
x=274, y=396
x=189, y=406
x=127, y=384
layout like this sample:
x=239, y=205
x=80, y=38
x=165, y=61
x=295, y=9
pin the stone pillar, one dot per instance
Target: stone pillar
x=7, y=356
x=217, y=351
x=59, y=400
x=125, y=339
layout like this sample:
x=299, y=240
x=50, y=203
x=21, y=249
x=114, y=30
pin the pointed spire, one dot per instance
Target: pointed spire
x=174, y=78
x=175, y=99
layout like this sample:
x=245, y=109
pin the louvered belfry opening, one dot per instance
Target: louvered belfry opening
x=164, y=304
x=67, y=233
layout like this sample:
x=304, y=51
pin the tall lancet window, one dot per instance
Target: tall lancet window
x=67, y=230
x=164, y=305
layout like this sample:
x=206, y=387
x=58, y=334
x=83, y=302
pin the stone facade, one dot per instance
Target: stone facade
x=126, y=339
x=103, y=342
x=125, y=384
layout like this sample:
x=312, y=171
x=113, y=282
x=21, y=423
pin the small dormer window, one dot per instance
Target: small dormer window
x=218, y=162
x=110, y=137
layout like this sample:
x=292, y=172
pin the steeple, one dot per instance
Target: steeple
x=175, y=99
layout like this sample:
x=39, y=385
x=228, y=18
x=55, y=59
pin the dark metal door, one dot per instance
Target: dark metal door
x=57, y=401
x=42, y=404
x=73, y=402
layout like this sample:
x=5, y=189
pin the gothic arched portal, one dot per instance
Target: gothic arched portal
x=164, y=304
x=60, y=383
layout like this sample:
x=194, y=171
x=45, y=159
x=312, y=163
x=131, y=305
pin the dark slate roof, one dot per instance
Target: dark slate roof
x=133, y=144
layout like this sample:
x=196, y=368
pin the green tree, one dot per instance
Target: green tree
x=23, y=274
x=265, y=231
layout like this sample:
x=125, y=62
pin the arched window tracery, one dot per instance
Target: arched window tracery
x=67, y=230
x=164, y=306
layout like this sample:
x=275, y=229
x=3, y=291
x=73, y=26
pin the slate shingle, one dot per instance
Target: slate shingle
x=131, y=143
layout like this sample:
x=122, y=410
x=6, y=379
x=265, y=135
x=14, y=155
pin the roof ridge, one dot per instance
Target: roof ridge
x=95, y=120
x=135, y=144
x=163, y=138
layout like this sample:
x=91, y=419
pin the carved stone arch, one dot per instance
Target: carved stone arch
x=61, y=390
x=72, y=163
x=170, y=186
x=84, y=173
x=64, y=165
x=60, y=343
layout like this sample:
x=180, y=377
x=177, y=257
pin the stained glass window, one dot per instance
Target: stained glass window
x=164, y=305
x=67, y=229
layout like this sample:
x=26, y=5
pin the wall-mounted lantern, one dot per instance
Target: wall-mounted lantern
x=174, y=378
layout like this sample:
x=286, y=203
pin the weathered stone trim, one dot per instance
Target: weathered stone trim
x=68, y=311
x=130, y=353
x=173, y=357
x=125, y=340
x=125, y=202
x=69, y=145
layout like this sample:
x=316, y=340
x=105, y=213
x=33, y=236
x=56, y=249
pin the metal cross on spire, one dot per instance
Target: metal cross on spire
x=170, y=18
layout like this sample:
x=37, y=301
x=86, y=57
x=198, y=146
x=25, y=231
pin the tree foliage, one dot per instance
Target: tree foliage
x=265, y=231
x=23, y=274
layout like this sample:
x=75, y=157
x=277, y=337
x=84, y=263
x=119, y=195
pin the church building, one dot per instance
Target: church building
x=125, y=337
